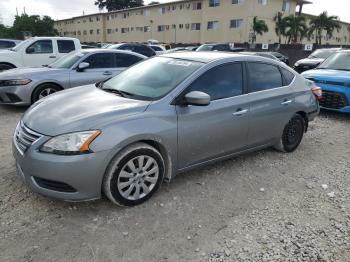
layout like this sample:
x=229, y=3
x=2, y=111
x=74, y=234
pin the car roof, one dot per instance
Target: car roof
x=13, y=40
x=206, y=57
x=102, y=50
x=54, y=37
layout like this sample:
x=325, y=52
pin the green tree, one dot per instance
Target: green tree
x=259, y=27
x=296, y=28
x=111, y=5
x=154, y=3
x=323, y=23
x=34, y=24
x=280, y=26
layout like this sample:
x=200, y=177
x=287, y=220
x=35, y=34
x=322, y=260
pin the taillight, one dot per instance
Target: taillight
x=317, y=91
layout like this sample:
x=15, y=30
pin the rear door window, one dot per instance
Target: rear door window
x=101, y=60
x=65, y=46
x=126, y=60
x=6, y=44
x=263, y=76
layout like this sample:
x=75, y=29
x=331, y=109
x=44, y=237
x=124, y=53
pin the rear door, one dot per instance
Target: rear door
x=39, y=53
x=64, y=47
x=102, y=66
x=271, y=103
x=207, y=132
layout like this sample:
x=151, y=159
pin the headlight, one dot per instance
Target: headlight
x=15, y=82
x=70, y=144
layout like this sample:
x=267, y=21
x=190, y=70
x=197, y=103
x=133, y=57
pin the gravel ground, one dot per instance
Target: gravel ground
x=264, y=206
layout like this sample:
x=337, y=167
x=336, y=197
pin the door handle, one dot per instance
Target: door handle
x=240, y=112
x=286, y=102
x=107, y=73
x=52, y=56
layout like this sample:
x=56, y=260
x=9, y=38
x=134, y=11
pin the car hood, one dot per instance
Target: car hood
x=29, y=72
x=310, y=61
x=78, y=109
x=328, y=75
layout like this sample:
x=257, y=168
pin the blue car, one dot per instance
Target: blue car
x=333, y=76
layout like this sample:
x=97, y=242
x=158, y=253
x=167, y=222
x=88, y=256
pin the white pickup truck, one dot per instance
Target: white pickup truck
x=37, y=51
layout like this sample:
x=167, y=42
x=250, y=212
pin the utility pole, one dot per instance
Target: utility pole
x=16, y=11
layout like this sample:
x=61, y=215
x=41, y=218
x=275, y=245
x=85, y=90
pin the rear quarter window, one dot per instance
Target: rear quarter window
x=6, y=44
x=288, y=76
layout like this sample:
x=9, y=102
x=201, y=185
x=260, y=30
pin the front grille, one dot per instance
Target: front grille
x=333, y=100
x=54, y=185
x=24, y=137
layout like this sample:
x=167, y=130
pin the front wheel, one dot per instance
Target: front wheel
x=44, y=91
x=292, y=134
x=134, y=175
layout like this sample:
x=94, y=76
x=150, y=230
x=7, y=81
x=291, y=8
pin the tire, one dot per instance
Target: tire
x=292, y=134
x=126, y=183
x=4, y=67
x=43, y=91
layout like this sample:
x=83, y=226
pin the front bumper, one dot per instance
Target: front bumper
x=84, y=173
x=15, y=95
x=336, y=98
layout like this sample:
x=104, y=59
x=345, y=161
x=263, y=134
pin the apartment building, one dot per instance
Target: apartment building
x=186, y=21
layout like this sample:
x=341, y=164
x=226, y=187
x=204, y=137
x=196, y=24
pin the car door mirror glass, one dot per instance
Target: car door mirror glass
x=83, y=65
x=197, y=98
x=30, y=50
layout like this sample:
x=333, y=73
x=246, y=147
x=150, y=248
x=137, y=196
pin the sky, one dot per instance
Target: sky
x=60, y=9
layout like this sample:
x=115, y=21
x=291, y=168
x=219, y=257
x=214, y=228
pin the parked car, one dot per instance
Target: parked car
x=8, y=43
x=281, y=57
x=24, y=86
x=314, y=60
x=88, y=47
x=219, y=47
x=37, y=51
x=159, y=49
x=333, y=76
x=163, y=116
x=137, y=48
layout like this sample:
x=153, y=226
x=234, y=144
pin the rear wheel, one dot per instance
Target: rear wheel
x=4, y=67
x=44, y=91
x=134, y=175
x=292, y=134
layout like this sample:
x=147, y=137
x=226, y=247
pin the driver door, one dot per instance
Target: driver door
x=219, y=129
x=39, y=53
x=102, y=66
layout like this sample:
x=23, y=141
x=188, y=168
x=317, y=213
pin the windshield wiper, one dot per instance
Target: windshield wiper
x=118, y=92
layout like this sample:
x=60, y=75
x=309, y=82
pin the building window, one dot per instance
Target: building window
x=125, y=15
x=125, y=30
x=214, y=3
x=139, y=28
x=181, y=26
x=173, y=7
x=162, y=10
x=197, y=6
x=195, y=26
x=108, y=17
x=286, y=6
x=97, y=18
x=237, y=2
x=161, y=28
x=109, y=31
x=90, y=19
x=147, y=28
x=91, y=32
x=181, y=6
x=262, y=2
x=213, y=24
x=173, y=26
x=132, y=29
x=97, y=31
x=116, y=30
x=236, y=23
x=146, y=12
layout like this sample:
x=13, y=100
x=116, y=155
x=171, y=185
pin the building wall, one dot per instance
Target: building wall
x=173, y=23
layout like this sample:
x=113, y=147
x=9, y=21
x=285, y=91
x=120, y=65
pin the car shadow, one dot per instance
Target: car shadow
x=14, y=109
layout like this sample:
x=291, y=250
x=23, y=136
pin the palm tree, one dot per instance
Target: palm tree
x=323, y=23
x=259, y=27
x=280, y=26
x=296, y=28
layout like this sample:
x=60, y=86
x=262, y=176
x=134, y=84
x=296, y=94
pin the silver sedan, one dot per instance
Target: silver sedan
x=163, y=116
x=24, y=86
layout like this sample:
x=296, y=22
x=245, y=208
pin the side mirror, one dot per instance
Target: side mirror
x=83, y=66
x=197, y=98
x=30, y=50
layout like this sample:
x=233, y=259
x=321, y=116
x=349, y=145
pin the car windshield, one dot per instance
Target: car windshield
x=321, y=53
x=152, y=79
x=337, y=61
x=205, y=48
x=19, y=46
x=67, y=61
